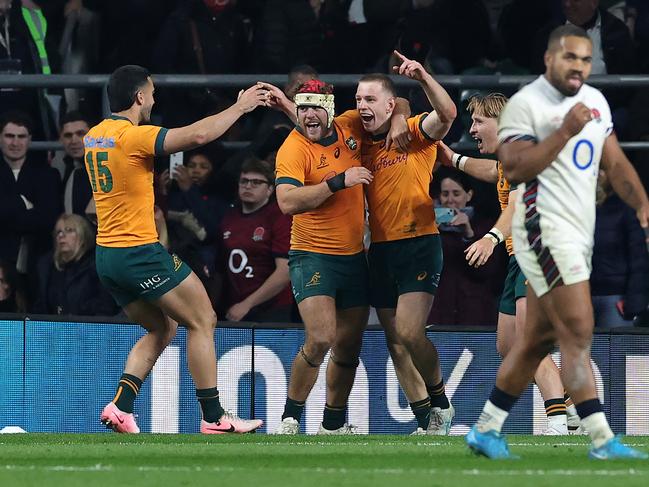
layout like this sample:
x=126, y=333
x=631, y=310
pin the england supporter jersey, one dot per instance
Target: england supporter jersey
x=250, y=244
x=559, y=204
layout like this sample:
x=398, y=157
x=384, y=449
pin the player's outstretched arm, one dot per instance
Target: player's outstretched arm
x=437, y=124
x=483, y=169
x=523, y=160
x=277, y=99
x=624, y=179
x=212, y=127
x=298, y=199
x=479, y=252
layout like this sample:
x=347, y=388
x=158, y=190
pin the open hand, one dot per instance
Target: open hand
x=479, y=252
x=398, y=135
x=251, y=98
x=444, y=154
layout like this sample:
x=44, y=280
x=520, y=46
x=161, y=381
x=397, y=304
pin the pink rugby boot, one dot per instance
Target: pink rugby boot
x=118, y=420
x=230, y=423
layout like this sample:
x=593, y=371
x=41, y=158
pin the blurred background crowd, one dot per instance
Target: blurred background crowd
x=216, y=209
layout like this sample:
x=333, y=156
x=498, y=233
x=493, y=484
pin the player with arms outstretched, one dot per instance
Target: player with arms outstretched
x=156, y=289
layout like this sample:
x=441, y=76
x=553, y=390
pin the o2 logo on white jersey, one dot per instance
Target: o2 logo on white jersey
x=583, y=154
x=243, y=264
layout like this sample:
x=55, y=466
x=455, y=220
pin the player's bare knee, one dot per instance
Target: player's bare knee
x=397, y=351
x=169, y=333
x=577, y=337
x=546, y=345
x=347, y=359
x=317, y=347
x=347, y=350
x=409, y=335
x=205, y=322
x=502, y=347
x=538, y=347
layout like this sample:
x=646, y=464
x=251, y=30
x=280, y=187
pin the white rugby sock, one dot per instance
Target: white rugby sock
x=598, y=428
x=491, y=418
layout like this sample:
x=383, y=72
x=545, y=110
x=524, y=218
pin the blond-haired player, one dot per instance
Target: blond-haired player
x=485, y=110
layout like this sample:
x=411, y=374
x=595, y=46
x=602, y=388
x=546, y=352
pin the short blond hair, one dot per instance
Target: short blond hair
x=487, y=105
x=84, y=233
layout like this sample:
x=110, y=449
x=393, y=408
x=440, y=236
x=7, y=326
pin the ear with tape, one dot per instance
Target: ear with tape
x=317, y=93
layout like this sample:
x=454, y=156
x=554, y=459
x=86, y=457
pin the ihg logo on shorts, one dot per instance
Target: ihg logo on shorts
x=152, y=282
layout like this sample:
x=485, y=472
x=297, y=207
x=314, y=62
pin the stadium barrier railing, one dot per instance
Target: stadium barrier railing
x=99, y=81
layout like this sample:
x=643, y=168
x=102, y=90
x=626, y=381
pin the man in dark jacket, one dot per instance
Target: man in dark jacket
x=199, y=37
x=613, y=50
x=29, y=196
x=77, y=192
x=618, y=283
x=290, y=33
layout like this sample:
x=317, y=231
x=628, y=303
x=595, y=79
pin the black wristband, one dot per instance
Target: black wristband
x=493, y=234
x=337, y=182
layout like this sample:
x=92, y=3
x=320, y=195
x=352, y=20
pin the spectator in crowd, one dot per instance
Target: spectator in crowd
x=618, y=283
x=195, y=212
x=638, y=129
x=22, y=51
x=446, y=47
x=139, y=23
x=636, y=14
x=290, y=33
x=29, y=197
x=466, y=295
x=613, y=50
x=517, y=25
x=77, y=191
x=254, y=247
x=199, y=37
x=68, y=281
x=12, y=298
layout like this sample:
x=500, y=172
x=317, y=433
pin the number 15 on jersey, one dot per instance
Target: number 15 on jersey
x=99, y=172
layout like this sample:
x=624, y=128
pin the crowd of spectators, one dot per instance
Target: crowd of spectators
x=46, y=207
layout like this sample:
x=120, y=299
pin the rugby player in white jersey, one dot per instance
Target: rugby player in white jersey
x=553, y=135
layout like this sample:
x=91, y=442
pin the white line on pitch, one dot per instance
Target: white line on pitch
x=325, y=470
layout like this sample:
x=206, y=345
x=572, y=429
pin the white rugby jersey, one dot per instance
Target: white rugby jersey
x=563, y=194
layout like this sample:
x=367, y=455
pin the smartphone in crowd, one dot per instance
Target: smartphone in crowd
x=175, y=160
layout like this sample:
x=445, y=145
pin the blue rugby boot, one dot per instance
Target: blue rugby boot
x=614, y=449
x=490, y=444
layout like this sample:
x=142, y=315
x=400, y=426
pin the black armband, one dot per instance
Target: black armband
x=337, y=182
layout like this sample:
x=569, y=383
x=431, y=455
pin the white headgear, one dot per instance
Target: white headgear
x=321, y=100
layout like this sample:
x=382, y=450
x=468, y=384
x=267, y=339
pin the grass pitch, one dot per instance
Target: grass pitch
x=75, y=460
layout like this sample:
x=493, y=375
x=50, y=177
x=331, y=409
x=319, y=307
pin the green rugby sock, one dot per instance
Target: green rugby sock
x=421, y=410
x=210, y=404
x=127, y=390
